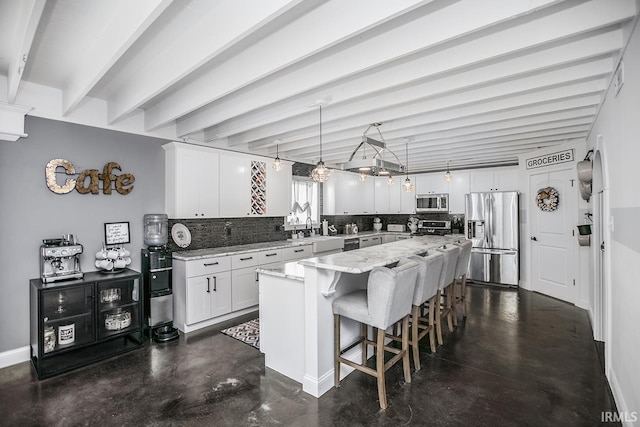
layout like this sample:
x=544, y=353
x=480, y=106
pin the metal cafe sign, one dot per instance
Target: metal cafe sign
x=550, y=159
x=88, y=181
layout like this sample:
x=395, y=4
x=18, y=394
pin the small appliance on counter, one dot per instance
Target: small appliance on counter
x=439, y=228
x=351, y=229
x=156, y=273
x=60, y=259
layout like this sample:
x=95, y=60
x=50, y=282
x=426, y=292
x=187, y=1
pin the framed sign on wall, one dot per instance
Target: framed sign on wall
x=116, y=233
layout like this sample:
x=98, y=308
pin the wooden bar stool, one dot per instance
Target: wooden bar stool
x=424, y=299
x=443, y=299
x=386, y=301
x=462, y=268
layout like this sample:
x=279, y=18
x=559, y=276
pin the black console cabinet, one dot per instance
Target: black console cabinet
x=77, y=322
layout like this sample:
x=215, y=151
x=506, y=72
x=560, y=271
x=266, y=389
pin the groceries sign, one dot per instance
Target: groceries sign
x=88, y=181
x=550, y=159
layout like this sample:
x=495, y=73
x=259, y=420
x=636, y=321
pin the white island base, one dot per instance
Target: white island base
x=296, y=316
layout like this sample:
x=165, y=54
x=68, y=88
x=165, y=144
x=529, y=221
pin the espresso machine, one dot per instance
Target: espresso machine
x=60, y=259
x=157, y=270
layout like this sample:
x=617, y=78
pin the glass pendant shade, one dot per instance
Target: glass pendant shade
x=390, y=180
x=447, y=175
x=363, y=176
x=320, y=173
x=407, y=185
x=277, y=163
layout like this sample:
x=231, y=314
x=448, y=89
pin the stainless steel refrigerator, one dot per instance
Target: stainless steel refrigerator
x=491, y=223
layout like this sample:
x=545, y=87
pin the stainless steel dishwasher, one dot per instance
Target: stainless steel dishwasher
x=351, y=243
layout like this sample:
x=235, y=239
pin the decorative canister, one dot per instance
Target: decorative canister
x=67, y=333
x=49, y=339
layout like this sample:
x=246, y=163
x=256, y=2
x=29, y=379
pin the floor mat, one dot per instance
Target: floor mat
x=248, y=332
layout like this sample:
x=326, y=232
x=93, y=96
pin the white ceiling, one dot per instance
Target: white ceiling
x=469, y=82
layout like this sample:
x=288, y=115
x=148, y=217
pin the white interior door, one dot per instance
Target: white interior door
x=552, y=241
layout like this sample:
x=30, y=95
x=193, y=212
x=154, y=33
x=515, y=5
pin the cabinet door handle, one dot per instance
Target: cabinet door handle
x=246, y=259
x=210, y=264
x=298, y=250
x=208, y=285
x=215, y=284
x=273, y=254
x=257, y=278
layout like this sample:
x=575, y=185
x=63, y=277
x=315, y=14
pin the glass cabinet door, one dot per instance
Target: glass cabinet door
x=118, y=307
x=67, y=318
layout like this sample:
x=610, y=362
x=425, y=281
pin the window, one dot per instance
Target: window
x=305, y=202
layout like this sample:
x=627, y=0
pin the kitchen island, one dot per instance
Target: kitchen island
x=296, y=317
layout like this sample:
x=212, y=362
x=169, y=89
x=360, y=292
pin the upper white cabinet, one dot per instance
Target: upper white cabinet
x=210, y=183
x=499, y=179
x=279, y=190
x=235, y=193
x=345, y=194
x=458, y=187
x=191, y=181
x=382, y=196
x=431, y=183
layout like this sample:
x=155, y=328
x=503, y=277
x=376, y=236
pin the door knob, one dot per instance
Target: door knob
x=534, y=239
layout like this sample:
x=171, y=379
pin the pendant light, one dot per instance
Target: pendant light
x=407, y=185
x=277, y=164
x=447, y=175
x=321, y=172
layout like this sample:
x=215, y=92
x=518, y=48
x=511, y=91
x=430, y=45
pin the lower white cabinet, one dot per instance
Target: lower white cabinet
x=208, y=296
x=210, y=290
x=244, y=291
x=370, y=241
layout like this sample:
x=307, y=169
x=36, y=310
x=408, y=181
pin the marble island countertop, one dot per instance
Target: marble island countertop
x=238, y=249
x=363, y=260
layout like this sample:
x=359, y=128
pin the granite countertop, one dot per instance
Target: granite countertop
x=290, y=270
x=239, y=249
x=374, y=233
x=363, y=260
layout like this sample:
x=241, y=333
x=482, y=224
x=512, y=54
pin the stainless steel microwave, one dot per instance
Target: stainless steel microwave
x=432, y=203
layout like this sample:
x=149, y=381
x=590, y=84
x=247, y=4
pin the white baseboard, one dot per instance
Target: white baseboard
x=17, y=355
x=628, y=417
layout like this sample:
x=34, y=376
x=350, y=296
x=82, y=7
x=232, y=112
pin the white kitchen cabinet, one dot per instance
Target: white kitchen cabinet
x=297, y=252
x=364, y=195
x=370, y=241
x=458, y=187
x=208, y=296
x=408, y=198
x=431, y=183
x=345, y=194
x=244, y=288
x=191, y=181
x=382, y=195
x=498, y=179
x=279, y=190
x=235, y=191
x=388, y=238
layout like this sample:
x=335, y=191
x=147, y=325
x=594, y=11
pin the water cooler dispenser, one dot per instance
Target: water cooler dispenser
x=157, y=277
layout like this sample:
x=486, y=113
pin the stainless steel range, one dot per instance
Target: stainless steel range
x=427, y=227
x=60, y=259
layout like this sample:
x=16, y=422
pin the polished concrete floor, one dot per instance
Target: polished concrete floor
x=518, y=359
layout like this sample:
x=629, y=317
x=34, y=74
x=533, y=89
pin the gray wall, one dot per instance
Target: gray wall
x=30, y=212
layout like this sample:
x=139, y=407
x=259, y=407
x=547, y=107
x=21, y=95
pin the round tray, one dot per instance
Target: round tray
x=115, y=270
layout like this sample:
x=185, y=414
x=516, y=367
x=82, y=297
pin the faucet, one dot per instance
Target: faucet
x=308, y=224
